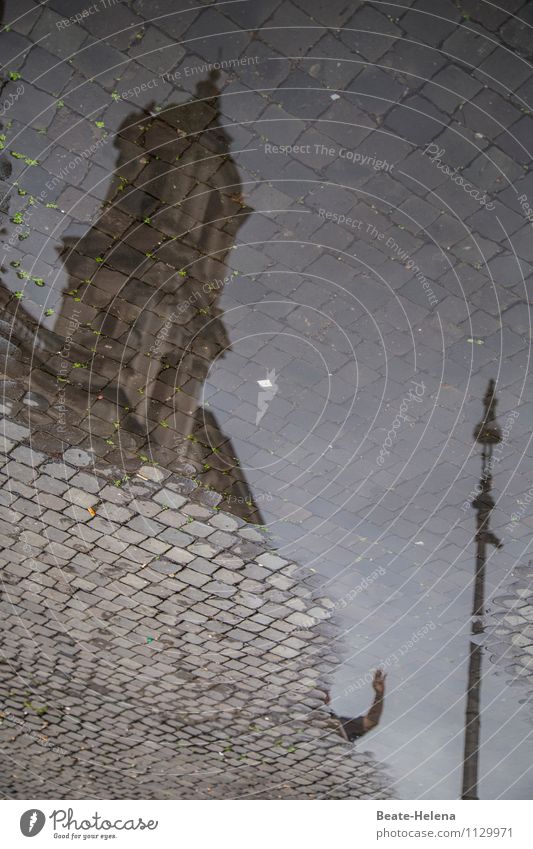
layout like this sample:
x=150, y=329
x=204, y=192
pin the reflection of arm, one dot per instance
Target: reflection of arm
x=351, y=729
x=374, y=714
x=376, y=709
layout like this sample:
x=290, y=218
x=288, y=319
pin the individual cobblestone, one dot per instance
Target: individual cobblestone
x=77, y=457
x=23, y=454
x=81, y=498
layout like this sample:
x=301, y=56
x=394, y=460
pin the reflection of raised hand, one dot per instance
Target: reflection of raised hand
x=378, y=682
x=374, y=714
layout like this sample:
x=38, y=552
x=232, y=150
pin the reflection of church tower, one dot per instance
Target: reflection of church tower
x=144, y=284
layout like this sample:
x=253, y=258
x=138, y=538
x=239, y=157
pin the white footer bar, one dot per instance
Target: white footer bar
x=266, y=824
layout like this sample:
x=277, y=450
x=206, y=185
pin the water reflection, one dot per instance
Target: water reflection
x=159, y=334
x=487, y=434
x=229, y=667
x=353, y=728
x=140, y=323
x=363, y=269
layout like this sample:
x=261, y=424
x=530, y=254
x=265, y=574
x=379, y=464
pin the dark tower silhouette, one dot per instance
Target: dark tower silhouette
x=141, y=307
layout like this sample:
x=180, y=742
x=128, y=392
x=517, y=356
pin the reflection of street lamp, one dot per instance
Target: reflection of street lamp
x=488, y=434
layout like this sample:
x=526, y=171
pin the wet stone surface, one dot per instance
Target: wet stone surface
x=259, y=264
x=157, y=656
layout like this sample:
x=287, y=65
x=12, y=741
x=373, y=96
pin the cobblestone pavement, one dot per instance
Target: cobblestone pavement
x=266, y=256
x=157, y=649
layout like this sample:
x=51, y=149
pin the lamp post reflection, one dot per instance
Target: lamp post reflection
x=488, y=434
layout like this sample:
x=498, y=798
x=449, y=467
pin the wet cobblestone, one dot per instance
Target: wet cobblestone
x=155, y=633
x=157, y=180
